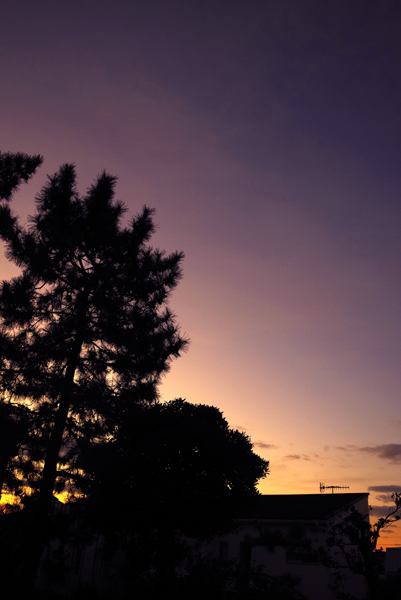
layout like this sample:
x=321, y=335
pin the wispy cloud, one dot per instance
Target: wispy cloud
x=385, y=498
x=384, y=492
x=384, y=488
x=265, y=445
x=391, y=452
x=347, y=448
x=296, y=457
x=380, y=511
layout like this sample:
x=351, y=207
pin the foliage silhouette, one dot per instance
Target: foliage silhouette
x=353, y=533
x=15, y=168
x=206, y=577
x=170, y=462
x=173, y=469
x=85, y=328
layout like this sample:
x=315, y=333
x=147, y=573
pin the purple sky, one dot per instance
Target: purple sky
x=267, y=136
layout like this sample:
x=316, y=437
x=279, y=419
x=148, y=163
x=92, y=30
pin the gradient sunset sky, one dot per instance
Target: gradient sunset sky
x=267, y=136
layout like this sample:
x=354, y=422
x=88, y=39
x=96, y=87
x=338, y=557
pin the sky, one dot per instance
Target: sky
x=267, y=136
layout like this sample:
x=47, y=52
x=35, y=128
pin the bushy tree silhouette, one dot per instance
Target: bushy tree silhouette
x=174, y=469
x=85, y=328
x=169, y=462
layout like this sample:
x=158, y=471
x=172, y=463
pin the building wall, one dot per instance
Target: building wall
x=85, y=567
x=316, y=579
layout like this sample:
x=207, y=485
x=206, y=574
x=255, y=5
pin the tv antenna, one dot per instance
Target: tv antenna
x=324, y=487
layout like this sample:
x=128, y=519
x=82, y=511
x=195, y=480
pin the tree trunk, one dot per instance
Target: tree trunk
x=165, y=562
x=38, y=522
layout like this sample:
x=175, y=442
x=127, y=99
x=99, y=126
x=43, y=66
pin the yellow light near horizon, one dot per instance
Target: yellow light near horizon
x=62, y=497
x=8, y=499
x=12, y=499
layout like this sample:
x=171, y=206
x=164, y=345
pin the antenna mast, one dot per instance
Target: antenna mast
x=333, y=487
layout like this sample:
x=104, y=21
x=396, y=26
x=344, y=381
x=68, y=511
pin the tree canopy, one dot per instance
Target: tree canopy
x=86, y=329
x=175, y=470
x=15, y=168
x=86, y=334
x=177, y=464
